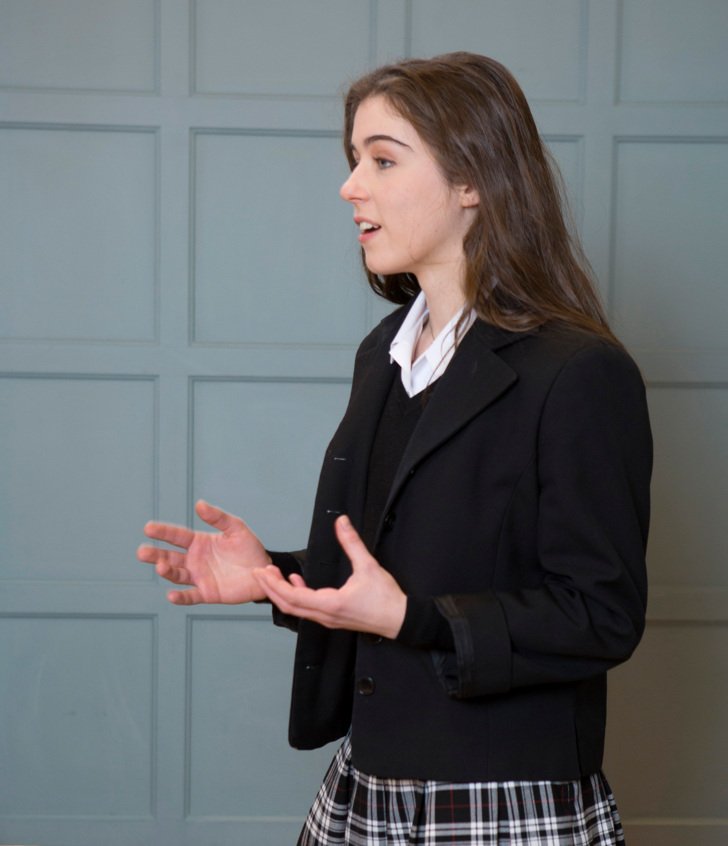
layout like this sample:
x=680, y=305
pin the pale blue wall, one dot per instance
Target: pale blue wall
x=180, y=301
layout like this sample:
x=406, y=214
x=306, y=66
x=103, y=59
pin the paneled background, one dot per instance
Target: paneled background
x=180, y=300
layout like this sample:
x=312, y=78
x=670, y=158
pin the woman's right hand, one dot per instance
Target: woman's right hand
x=217, y=566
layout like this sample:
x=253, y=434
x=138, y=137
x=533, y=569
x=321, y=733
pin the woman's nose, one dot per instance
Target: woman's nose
x=352, y=190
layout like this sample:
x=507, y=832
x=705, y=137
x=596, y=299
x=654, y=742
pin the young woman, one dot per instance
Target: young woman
x=476, y=557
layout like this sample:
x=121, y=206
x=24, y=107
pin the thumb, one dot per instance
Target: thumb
x=351, y=543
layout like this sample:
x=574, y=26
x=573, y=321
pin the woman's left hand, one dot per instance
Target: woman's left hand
x=369, y=601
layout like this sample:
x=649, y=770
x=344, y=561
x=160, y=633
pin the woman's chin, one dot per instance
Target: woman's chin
x=380, y=268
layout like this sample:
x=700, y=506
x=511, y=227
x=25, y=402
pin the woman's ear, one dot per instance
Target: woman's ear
x=468, y=196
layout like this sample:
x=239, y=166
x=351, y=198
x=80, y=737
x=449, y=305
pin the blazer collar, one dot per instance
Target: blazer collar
x=489, y=335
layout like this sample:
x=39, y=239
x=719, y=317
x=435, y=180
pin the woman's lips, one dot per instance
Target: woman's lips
x=367, y=230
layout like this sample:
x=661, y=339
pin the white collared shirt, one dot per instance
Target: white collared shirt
x=417, y=375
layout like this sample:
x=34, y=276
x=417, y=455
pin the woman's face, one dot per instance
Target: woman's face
x=410, y=220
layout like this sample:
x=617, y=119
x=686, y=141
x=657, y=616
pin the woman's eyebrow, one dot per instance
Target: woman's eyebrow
x=371, y=139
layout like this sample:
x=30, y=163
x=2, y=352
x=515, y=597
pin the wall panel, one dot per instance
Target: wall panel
x=672, y=51
x=275, y=250
x=670, y=250
x=78, y=716
x=691, y=445
x=548, y=57
x=99, y=45
x=672, y=699
x=258, y=446
x=240, y=764
x=78, y=475
x=78, y=229
x=272, y=48
x=180, y=301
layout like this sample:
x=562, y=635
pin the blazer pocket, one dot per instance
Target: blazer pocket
x=446, y=669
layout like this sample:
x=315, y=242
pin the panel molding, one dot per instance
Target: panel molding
x=589, y=81
x=676, y=605
x=575, y=202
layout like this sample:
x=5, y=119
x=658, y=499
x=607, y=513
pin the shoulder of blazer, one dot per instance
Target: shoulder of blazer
x=494, y=337
x=383, y=333
x=551, y=347
x=554, y=348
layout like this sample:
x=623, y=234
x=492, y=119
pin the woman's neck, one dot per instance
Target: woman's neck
x=444, y=300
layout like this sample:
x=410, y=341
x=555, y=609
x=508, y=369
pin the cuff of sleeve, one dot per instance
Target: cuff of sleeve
x=424, y=626
x=482, y=645
x=286, y=562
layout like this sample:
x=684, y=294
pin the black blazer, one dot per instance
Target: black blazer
x=521, y=504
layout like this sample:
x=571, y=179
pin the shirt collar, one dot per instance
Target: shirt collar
x=432, y=363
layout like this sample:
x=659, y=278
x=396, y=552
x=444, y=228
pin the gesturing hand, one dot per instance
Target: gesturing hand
x=369, y=601
x=218, y=566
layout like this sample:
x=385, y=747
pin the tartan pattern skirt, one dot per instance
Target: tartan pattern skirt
x=361, y=810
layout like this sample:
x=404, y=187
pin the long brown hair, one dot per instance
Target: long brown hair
x=523, y=268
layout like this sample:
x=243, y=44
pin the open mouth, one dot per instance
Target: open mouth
x=365, y=226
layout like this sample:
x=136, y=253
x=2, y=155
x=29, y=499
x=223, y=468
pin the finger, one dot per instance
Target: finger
x=176, y=575
x=270, y=589
x=214, y=516
x=351, y=543
x=169, y=533
x=172, y=558
x=158, y=555
x=298, y=599
x=184, y=597
x=168, y=563
x=321, y=606
x=270, y=576
x=148, y=554
x=278, y=590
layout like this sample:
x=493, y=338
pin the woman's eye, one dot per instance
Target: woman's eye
x=383, y=164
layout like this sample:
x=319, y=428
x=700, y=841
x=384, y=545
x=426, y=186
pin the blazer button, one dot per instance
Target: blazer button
x=389, y=519
x=365, y=686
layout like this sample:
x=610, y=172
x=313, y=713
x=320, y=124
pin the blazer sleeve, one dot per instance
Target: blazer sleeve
x=287, y=563
x=587, y=613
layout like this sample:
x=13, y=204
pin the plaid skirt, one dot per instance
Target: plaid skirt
x=362, y=810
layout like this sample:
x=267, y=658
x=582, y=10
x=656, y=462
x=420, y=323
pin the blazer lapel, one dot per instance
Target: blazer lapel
x=475, y=377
